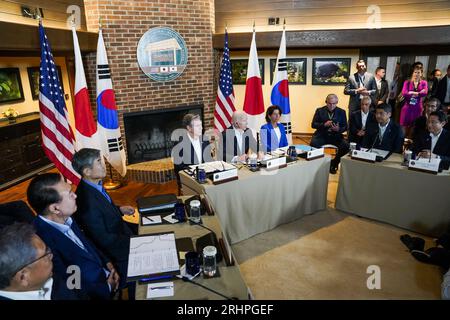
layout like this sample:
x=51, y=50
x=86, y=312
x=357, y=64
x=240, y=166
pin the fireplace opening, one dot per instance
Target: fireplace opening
x=148, y=133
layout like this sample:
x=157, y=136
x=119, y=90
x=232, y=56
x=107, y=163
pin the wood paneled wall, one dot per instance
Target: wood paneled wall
x=55, y=15
x=239, y=15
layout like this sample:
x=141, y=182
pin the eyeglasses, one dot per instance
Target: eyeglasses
x=48, y=252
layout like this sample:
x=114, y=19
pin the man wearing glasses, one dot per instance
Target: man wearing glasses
x=54, y=201
x=26, y=267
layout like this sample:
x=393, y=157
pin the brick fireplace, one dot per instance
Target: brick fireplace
x=124, y=22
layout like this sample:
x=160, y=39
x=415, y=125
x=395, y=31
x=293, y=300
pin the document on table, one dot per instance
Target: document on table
x=213, y=166
x=158, y=290
x=153, y=254
x=147, y=220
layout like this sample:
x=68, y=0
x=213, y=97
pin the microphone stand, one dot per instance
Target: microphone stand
x=376, y=138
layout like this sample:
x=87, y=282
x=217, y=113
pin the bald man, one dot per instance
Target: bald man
x=237, y=140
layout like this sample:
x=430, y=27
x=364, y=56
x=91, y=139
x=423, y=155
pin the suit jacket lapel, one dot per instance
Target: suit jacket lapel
x=64, y=241
x=100, y=196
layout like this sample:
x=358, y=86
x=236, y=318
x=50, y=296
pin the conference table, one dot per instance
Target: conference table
x=230, y=283
x=260, y=201
x=389, y=192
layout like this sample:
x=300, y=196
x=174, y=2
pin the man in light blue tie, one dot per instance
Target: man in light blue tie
x=54, y=201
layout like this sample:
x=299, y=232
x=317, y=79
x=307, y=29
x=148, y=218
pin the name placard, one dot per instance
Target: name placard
x=425, y=165
x=225, y=176
x=276, y=163
x=364, y=156
x=315, y=154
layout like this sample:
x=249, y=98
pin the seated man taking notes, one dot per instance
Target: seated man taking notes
x=385, y=134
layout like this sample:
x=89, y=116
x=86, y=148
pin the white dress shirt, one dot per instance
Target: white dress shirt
x=240, y=141
x=197, y=147
x=434, y=140
x=378, y=83
x=382, y=130
x=239, y=135
x=44, y=293
x=66, y=230
x=364, y=118
x=278, y=133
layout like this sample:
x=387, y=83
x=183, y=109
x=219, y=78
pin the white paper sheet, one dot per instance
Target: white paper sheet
x=151, y=220
x=161, y=289
x=152, y=254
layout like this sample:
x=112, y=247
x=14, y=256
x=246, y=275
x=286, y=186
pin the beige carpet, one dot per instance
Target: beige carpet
x=331, y=263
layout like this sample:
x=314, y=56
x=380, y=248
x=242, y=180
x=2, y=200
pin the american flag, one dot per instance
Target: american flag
x=57, y=136
x=225, y=95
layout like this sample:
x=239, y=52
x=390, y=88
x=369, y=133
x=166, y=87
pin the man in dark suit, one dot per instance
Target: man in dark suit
x=98, y=216
x=382, y=87
x=359, y=120
x=26, y=267
x=359, y=85
x=330, y=123
x=55, y=203
x=237, y=140
x=436, y=141
x=420, y=125
x=443, y=91
x=192, y=147
x=385, y=134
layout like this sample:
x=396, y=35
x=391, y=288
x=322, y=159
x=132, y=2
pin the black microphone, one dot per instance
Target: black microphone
x=186, y=279
x=220, y=253
x=376, y=138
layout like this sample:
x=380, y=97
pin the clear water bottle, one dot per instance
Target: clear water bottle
x=195, y=211
x=209, y=261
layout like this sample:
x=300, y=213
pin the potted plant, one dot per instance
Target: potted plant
x=11, y=114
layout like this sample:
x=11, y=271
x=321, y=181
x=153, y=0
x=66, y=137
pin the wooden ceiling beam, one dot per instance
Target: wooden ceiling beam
x=21, y=37
x=348, y=38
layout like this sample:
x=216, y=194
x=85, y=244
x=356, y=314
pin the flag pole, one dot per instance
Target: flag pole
x=110, y=183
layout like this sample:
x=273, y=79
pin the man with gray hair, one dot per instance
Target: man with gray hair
x=26, y=267
x=359, y=120
x=98, y=215
x=237, y=140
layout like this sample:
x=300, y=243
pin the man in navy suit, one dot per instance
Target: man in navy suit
x=54, y=201
x=98, y=216
x=385, y=134
x=330, y=123
x=436, y=141
x=359, y=121
x=237, y=140
x=192, y=146
x=26, y=267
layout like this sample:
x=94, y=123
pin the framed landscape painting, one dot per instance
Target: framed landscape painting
x=296, y=69
x=239, y=70
x=10, y=85
x=33, y=76
x=330, y=71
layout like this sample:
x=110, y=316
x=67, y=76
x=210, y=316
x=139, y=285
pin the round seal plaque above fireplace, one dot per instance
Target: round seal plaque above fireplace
x=162, y=54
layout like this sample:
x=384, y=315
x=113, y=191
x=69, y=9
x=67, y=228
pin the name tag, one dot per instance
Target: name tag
x=315, y=154
x=276, y=163
x=425, y=165
x=364, y=155
x=225, y=176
